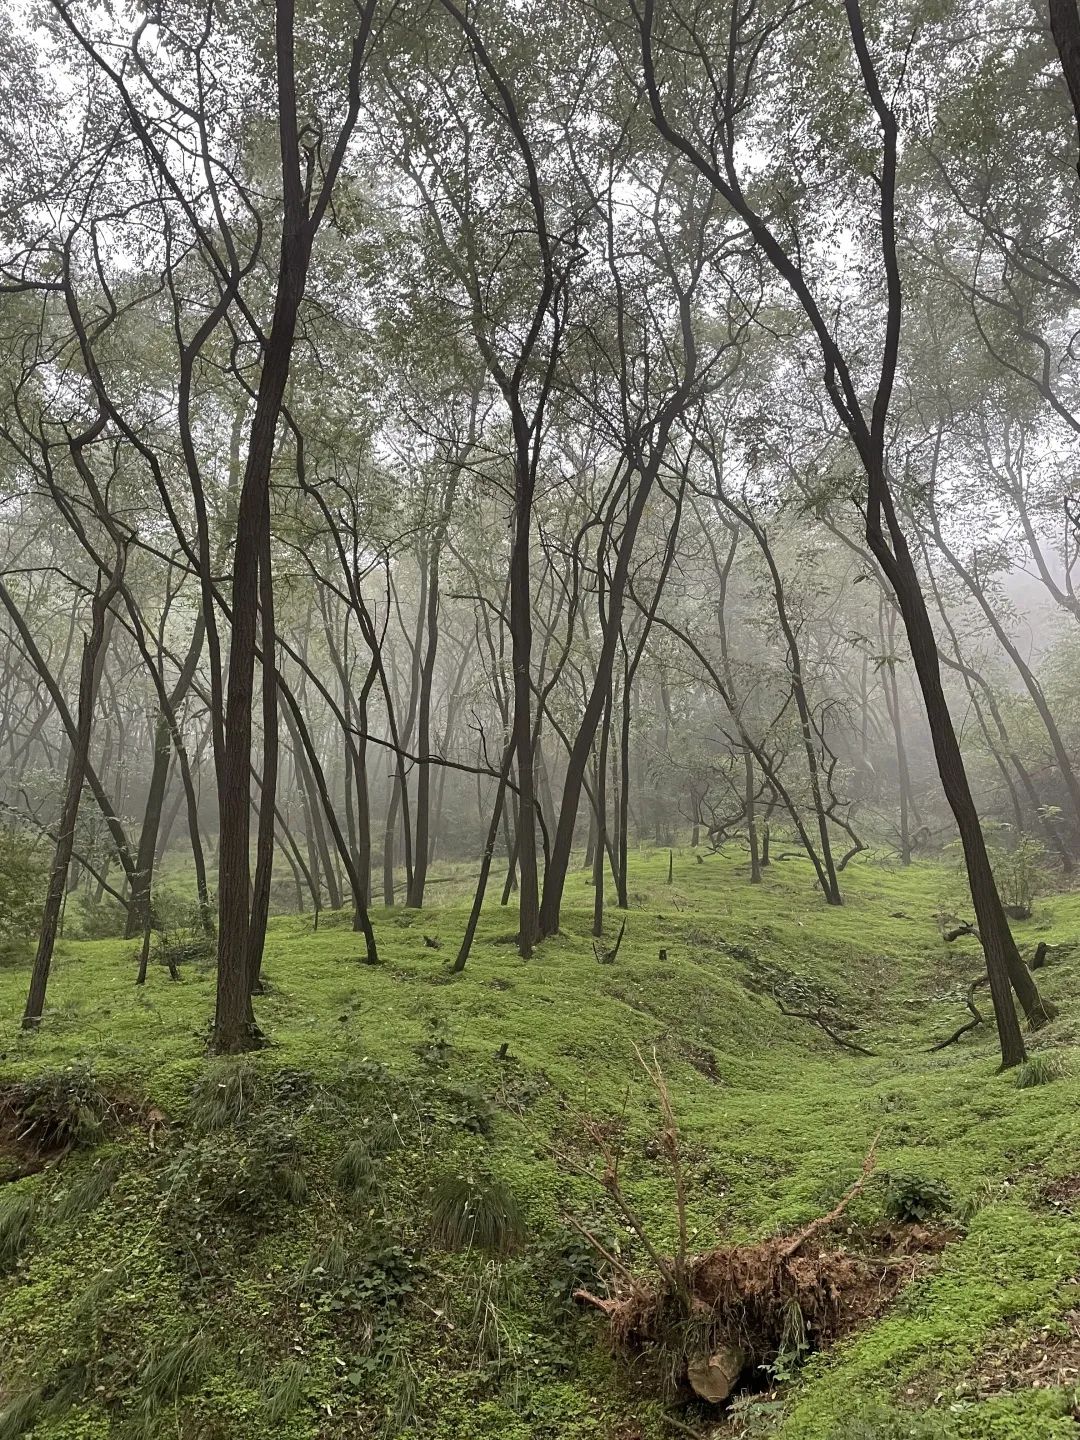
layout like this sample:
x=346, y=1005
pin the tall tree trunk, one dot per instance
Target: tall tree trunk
x=600, y=802
x=749, y=802
x=93, y=656
x=485, y=861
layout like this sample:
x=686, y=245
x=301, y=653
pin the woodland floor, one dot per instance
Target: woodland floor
x=228, y=1274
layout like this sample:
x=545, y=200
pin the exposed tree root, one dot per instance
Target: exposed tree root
x=705, y=1320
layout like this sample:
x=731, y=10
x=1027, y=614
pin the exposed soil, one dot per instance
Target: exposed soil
x=741, y=1307
x=1047, y=1359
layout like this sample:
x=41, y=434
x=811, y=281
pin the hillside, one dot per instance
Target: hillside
x=280, y=1247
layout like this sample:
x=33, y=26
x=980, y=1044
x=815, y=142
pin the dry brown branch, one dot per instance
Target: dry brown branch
x=824, y=1221
x=669, y=1144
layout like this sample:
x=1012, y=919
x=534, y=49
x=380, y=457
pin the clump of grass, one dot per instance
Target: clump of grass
x=56, y=1112
x=225, y=1095
x=970, y=1206
x=354, y=1170
x=285, y=1172
x=1037, y=1070
x=87, y=1193
x=284, y=1393
x=104, y=1284
x=475, y=1212
x=21, y=1413
x=406, y=1382
x=170, y=1367
x=327, y=1261
x=16, y=1220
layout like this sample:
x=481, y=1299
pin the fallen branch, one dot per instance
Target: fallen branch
x=817, y=1017
x=964, y=928
x=977, y=1017
x=824, y=1221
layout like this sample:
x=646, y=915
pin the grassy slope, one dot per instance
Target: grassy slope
x=775, y=1123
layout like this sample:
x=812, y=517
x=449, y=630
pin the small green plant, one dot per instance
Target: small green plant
x=475, y=1212
x=914, y=1199
x=365, y=1286
x=794, y=1345
x=470, y=1109
x=1037, y=1070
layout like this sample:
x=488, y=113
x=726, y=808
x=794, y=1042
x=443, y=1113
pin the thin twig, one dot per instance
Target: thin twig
x=823, y=1221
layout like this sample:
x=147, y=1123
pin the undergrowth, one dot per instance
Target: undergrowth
x=363, y=1229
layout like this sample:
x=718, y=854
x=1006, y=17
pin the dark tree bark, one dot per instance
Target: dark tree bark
x=884, y=534
x=1065, y=28
x=303, y=209
x=89, y=679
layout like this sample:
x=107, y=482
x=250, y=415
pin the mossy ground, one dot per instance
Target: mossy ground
x=235, y=1282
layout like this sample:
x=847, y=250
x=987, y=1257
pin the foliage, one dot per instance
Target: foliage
x=22, y=887
x=914, y=1199
x=1020, y=871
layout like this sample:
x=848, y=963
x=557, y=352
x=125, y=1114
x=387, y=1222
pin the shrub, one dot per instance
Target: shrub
x=914, y=1199
x=183, y=931
x=22, y=887
x=1018, y=871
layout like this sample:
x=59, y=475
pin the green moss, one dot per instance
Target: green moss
x=285, y=1218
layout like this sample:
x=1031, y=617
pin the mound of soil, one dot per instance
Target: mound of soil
x=736, y=1310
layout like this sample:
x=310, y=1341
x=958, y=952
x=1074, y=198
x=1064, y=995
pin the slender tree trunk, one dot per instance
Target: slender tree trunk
x=485, y=861
x=751, y=819
x=264, y=856
x=521, y=724
x=600, y=855
x=93, y=655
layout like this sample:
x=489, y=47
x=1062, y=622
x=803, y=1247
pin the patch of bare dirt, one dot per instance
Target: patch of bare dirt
x=42, y=1120
x=1046, y=1359
x=1062, y=1193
